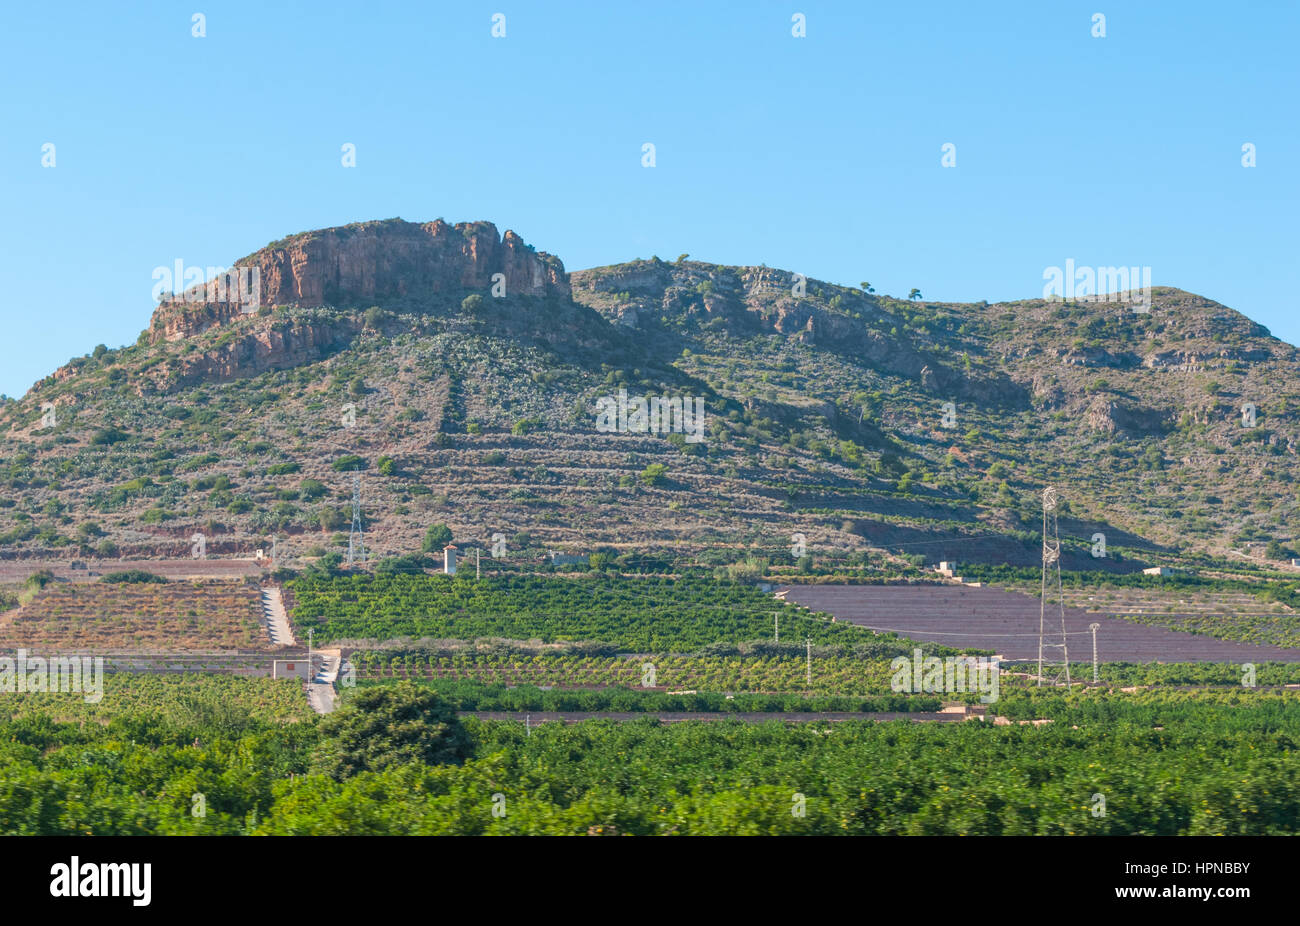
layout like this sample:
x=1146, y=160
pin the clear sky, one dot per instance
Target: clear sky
x=820, y=155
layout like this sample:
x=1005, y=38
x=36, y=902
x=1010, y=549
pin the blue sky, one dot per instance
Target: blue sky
x=820, y=155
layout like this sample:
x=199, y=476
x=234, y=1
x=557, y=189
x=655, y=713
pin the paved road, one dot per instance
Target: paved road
x=321, y=698
x=320, y=690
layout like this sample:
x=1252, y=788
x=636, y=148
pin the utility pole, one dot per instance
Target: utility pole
x=810, y=662
x=478, y=569
x=1093, y=628
x=310, y=675
x=776, y=623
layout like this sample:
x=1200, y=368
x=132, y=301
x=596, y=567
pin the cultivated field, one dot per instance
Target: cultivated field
x=176, y=616
x=192, y=698
x=833, y=674
x=1007, y=623
x=1226, y=615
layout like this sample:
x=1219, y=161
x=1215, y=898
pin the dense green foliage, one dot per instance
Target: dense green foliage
x=642, y=614
x=377, y=728
x=1193, y=673
x=1218, y=771
x=435, y=538
x=157, y=755
x=132, y=575
x=1166, y=763
x=778, y=669
x=200, y=699
x=478, y=696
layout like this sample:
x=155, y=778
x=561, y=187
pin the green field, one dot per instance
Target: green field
x=394, y=759
x=480, y=696
x=1163, y=763
x=636, y=615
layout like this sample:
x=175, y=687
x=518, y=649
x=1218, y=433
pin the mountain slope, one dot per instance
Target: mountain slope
x=826, y=415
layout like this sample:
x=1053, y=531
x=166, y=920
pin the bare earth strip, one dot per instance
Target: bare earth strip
x=16, y=570
x=1007, y=623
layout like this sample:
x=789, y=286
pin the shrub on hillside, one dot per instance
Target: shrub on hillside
x=132, y=575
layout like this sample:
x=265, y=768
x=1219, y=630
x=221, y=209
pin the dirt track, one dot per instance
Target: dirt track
x=16, y=570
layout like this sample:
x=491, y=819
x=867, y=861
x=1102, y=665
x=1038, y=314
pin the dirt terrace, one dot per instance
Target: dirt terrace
x=1007, y=623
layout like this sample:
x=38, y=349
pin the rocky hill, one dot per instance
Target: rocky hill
x=461, y=375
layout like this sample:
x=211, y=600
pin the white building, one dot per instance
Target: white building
x=449, y=560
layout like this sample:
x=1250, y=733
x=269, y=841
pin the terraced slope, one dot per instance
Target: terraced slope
x=884, y=431
x=177, y=616
x=1224, y=615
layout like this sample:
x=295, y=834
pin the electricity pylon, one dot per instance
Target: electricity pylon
x=356, y=540
x=1052, y=564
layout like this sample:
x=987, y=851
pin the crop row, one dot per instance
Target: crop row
x=191, y=698
x=1161, y=762
x=833, y=674
x=639, y=615
x=1261, y=629
x=219, y=615
x=481, y=696
x=830, y=674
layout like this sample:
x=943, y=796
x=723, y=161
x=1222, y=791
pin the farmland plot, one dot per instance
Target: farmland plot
x=203, y=615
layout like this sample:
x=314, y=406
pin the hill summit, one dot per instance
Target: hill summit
x=375, y=263
x=461, y=373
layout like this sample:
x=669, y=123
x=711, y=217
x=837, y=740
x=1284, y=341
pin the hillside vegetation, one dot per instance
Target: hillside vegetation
x=825, y=417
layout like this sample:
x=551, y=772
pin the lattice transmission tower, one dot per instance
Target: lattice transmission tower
x=356, y=540
x=1052, y=587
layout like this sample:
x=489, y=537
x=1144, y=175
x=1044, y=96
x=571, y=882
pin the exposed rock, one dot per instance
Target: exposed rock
x=1046, y=390
x=1192, y=360
x=1097, y=357
x=265, y=346
x=929, y=382
x=638, y=276
x=1109, y=416
x=374, y=263
x=174, y=321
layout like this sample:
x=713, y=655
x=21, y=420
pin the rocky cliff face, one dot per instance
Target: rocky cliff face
x=263, y=346
x=173, y=321
x=1110, y=416
x=371, y=263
